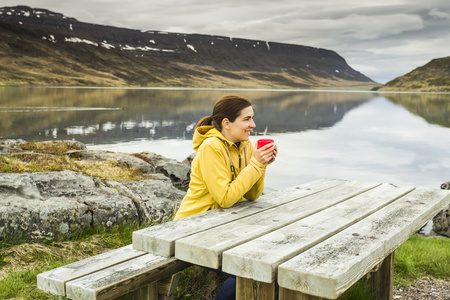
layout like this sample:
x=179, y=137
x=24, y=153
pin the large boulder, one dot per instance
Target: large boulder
x=57, y=205
x=149, y=163
x=441, y=222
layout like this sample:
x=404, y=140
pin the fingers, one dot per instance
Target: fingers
x=268, y=146
x=266, y=154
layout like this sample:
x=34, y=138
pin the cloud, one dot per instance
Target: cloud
x=439, y=14
x=383, y=39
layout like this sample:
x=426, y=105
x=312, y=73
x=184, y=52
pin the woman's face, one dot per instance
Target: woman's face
x=240, y=129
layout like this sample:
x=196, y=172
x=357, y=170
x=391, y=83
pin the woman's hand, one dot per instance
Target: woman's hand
x=266, y=154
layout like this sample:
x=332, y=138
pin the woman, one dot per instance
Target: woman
x=227, y=168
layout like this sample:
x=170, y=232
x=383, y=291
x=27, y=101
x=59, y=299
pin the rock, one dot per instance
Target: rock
x=179, y=173
x=188, y=160
x=441, y=222
x=124, y=159
x=57, y=205
x=11, y=141
x=7, y=146
x=72, y=144
x=149, y=163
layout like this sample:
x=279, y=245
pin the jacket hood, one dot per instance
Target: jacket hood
x=204, y=132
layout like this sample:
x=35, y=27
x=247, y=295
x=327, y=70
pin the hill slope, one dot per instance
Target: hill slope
x=431, y=77
x=40, y=47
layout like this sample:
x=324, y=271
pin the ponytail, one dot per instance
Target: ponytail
x=229, y=107
x=208, y=120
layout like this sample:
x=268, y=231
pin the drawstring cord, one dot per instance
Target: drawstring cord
x=233, y=174
x=231, y=162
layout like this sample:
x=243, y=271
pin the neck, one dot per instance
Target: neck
x=225, y=135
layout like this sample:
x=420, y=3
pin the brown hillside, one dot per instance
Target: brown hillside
x=432, y=77
x=38, y=47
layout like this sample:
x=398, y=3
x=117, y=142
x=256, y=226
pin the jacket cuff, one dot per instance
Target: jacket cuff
x=257, y=164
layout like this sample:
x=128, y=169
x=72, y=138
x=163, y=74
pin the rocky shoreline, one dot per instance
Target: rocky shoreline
x=62, y=204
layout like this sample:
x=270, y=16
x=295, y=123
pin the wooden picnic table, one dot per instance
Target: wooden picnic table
x=312, y=241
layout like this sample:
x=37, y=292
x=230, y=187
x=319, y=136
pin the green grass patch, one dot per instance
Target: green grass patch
x=20, y=264
x=418, y=257
x=422, y=257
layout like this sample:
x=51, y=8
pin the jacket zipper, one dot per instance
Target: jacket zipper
x=239, y=155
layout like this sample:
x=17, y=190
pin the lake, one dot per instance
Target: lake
x=399, y=138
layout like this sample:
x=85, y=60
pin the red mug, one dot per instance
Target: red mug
x=262, y=142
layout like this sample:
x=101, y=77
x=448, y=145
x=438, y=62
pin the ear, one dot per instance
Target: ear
x=225, y=123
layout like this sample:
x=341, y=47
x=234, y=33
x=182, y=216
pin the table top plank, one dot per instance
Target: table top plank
x=329, y=268
x=206, y=248
x=259, y=259
x=160, y=239
x=54, y=281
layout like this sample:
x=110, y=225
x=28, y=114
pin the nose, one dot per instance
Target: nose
x=252, y=124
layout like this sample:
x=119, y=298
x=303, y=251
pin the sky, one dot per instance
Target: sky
x=382, y=39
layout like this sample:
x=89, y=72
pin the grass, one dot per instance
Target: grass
x=20, y=264
x=417, y=258
x=54, y=156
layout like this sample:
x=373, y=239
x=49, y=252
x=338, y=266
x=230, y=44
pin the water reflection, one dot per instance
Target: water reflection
x=383, y=137
x=434, y=108
x=99, y=116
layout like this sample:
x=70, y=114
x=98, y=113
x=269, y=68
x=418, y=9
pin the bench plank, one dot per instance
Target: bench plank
x=160, y=239
x=54, y=281
x=330, y=268
x=124, y=278
x=259, y=259
x=206, y=248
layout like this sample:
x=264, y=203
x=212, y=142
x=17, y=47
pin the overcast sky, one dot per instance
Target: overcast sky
x=382, y=39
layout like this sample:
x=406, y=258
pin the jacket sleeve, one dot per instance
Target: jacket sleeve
x=258, y=187
x=216, y=173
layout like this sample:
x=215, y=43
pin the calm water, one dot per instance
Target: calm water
x=400, y=138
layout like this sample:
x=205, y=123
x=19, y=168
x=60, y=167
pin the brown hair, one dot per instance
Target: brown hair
x=229, y=107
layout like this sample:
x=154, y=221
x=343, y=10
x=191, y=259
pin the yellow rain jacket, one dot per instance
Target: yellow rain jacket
x=212, y=183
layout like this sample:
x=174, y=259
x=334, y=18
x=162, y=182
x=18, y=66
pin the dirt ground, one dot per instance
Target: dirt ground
x=425, y=289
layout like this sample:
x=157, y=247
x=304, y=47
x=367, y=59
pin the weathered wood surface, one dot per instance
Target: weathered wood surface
x=148, y=292
x=381, y=280
x=247, y=289
x=160, y=239
x=54, y=281
x=259, y=259
x=206, y=248
x=331, y=267
x=123, y=278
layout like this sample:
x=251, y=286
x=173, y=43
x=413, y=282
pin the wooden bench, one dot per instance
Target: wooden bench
x=123, y=271
x=312, y=242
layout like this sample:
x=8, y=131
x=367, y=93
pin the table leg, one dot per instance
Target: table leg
x=249, y=289
x=382, y=280
x=148, y=292
x=286, y=294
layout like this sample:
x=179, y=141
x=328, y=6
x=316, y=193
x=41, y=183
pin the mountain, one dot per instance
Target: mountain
x=41, y=47
x=431, y=77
